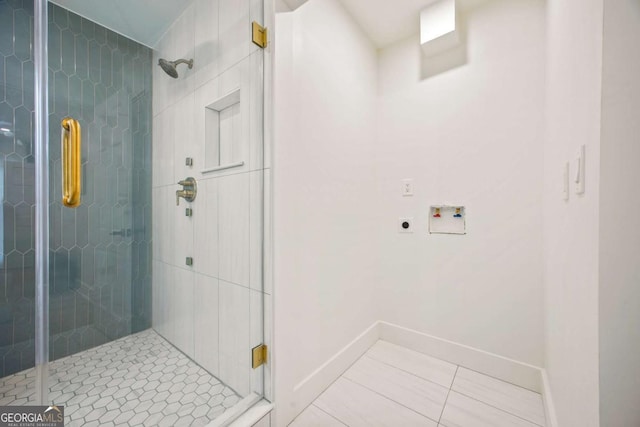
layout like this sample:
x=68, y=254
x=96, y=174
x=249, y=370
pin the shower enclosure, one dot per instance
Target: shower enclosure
x=150, y=310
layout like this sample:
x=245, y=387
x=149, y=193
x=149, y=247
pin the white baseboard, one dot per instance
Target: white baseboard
x=515, y=372
x=512, y=371
x=549, y=407
x=307, y=390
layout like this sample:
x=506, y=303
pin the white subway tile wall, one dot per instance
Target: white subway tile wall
x=212, y=310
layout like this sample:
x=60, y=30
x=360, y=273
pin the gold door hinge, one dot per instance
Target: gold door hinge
x=259, y=35
x=258, y=356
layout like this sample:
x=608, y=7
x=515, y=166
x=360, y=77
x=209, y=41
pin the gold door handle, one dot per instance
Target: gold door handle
x=71, y=162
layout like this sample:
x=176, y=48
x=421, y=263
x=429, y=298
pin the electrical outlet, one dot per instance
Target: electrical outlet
x=405, y=225
x=407, y=187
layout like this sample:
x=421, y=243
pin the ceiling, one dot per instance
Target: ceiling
x=144, y=21
x=385, y=21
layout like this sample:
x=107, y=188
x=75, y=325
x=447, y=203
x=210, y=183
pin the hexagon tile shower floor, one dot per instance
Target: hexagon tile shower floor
x=138, y=380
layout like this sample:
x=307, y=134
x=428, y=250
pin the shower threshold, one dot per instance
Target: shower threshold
x=137, y=380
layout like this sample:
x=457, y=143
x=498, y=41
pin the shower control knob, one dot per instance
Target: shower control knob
x=189, y=190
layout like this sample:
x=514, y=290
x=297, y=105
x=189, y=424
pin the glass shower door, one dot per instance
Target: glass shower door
x=99, y=79
x=100, y=250
x=207, y=265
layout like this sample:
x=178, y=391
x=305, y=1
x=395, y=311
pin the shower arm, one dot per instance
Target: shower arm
x=184, y=61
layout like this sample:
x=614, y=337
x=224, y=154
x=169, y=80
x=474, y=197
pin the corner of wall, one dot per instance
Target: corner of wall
x=547, y=397
x=570, y=228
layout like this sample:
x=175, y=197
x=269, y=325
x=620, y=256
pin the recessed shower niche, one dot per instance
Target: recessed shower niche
x=223, y=129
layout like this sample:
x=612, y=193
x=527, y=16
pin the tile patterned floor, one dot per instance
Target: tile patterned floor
x=138, y=380
x=393, y=386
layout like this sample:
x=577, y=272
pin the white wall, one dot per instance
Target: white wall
x=211, y=311
x=350, y=124
x=324, y=257
x=471, y=135
x=571, y=238
x=619, y=307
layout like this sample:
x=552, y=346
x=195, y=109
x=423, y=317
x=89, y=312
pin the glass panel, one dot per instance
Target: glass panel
x=100, y=251
x=97, y=292
x=17, y=191
x=212, y=310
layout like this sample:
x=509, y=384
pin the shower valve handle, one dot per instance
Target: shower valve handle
x=189, y=190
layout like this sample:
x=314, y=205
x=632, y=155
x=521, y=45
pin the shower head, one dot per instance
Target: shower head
x=169, y=67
